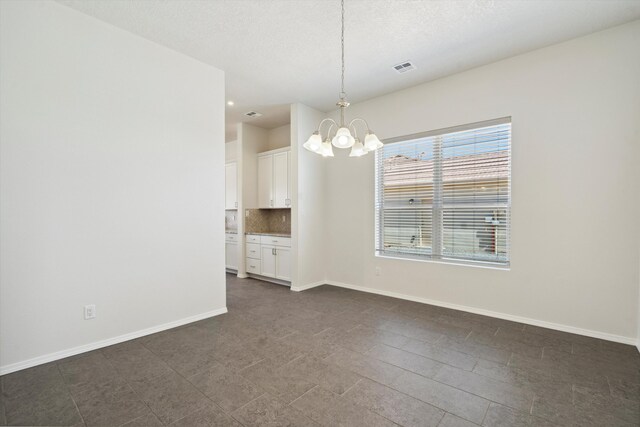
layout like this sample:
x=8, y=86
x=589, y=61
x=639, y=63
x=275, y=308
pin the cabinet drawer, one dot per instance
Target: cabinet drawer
x=252, y=238
x=276, y=241
x=253, y=250
x=228, y=237
x=253, y=266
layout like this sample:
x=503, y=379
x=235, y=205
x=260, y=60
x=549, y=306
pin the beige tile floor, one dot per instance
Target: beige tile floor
x=335, y=357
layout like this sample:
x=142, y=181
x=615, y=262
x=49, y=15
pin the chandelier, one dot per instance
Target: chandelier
x=343, y=138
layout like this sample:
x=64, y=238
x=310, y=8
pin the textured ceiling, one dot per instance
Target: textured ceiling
x=275, y=52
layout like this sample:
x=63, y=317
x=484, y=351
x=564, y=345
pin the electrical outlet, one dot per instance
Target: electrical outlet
x=89, y=312
x=284, y=218
x=378, y=271
x=246, y=213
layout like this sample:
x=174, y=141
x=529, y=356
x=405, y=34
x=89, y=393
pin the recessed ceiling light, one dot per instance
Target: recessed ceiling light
x=230, y=103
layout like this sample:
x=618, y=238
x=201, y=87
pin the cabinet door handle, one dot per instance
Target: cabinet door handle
x=273, y=251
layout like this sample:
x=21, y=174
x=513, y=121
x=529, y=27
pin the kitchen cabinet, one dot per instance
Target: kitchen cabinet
x=231, y=186
x=281, y=172
x=269, y=256
x=283, y=263
x=274, y=179
x=265, y=181
x=268, y=261
x=231, y=251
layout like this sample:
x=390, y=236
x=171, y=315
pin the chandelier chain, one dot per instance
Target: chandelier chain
x=342, y=94
x=343, y=137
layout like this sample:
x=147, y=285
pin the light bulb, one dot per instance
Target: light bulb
x=314, y=142
x=371, y=142
x=326, y=150
x=358, y=149
x=343, y=138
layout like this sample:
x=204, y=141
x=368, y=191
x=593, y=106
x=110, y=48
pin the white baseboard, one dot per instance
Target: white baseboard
x=511, y=317
x=269, y=279
x=7, y=369
x=308, y=286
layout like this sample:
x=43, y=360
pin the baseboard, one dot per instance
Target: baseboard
x=18, y=366
x=308, y=286
x=269, y=279
x=513, y=318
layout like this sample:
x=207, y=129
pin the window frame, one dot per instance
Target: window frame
x=439, y=205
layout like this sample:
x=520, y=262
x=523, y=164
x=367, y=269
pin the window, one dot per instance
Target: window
x=446, y=195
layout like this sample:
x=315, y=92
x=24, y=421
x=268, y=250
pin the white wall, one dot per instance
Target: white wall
x=575, y=109
x=279, y=137
x=308, y=224
x=251, y=141
x=231, y=151
x=112, y=182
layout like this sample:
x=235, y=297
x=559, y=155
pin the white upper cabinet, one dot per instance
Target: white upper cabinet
x=265, y=181
x=274, y=179
x=281, y=173
x=231, y=186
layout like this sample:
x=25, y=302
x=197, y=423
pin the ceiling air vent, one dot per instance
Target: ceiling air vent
x=253, y=114
x=403, y=67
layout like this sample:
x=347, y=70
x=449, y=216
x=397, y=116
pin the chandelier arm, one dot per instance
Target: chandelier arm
x=328, y=119
x=355, y=131
x=361, y=120
x=331, y=127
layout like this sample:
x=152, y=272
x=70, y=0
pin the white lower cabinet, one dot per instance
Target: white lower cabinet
x=253, y=250
x=253, y=266
x=268, y=261
x=231, y=255
x=269, y=256
x=283, y=263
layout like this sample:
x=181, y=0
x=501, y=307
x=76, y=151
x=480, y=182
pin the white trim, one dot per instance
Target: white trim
x=308, y=286
x=274, y=151
x=448, y=261
x=242, y=276
x=498, y=315
x=269, y=279
x=7, y=369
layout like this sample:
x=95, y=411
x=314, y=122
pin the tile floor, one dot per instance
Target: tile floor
x=335, y=357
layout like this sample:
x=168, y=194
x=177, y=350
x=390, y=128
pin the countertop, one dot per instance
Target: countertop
x=271, y=234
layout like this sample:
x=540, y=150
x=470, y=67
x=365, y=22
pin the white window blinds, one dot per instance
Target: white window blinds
x=446, y=195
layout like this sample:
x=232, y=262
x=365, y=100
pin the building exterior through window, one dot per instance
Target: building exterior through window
x=446, y=195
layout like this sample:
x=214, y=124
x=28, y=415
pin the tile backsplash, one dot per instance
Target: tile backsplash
x=231, y=220
x=268, y=221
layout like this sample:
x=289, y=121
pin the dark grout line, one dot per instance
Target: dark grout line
x=69, y=393
x=484, y=417
x=431, y=379
x=312, y=388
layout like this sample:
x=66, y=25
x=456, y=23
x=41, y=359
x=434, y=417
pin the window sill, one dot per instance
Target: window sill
x=485, y=265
